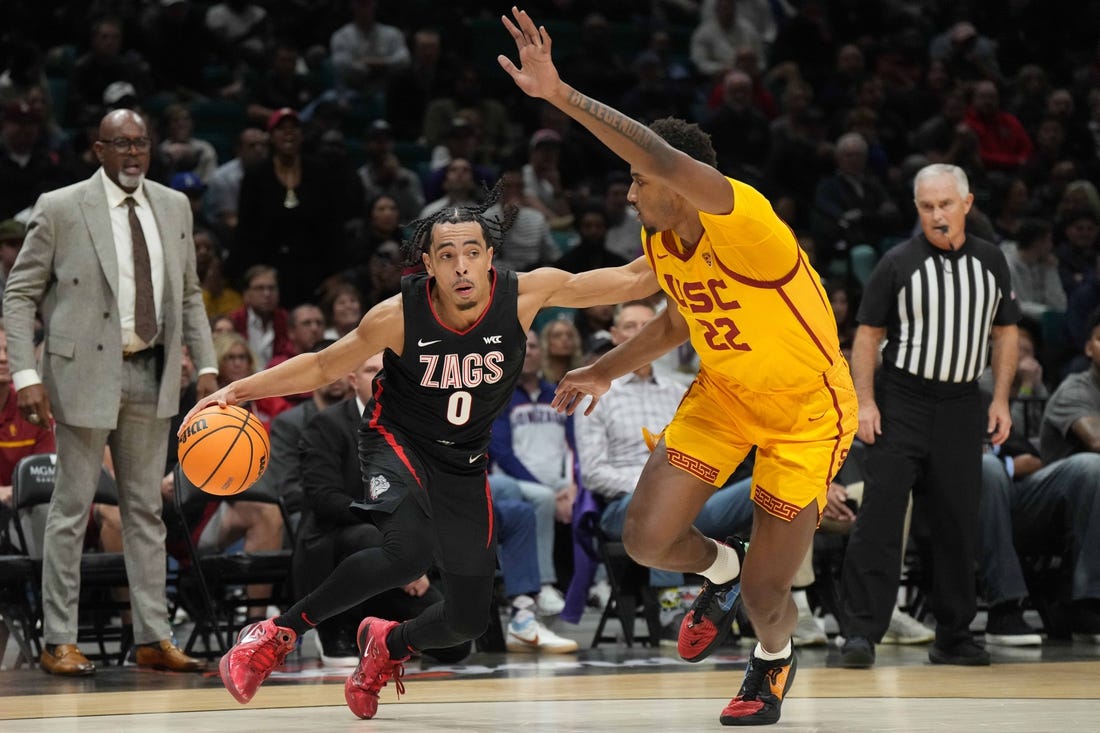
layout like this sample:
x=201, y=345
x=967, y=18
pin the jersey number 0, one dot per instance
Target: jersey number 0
x=459, y=406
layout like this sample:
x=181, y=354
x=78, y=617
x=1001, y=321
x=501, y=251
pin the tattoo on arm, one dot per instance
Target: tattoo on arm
x=637, y=133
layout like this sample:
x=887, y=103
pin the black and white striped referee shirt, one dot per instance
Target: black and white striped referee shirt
x=938, y=307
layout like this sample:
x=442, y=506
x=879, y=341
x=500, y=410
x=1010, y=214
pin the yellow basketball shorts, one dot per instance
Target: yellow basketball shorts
x=802, y=437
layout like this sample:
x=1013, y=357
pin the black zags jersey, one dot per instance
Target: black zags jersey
x=447, y=387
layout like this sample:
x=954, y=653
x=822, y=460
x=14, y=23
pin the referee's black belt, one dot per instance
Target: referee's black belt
x=930, y=387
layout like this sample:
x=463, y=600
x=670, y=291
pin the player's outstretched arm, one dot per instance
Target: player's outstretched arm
x=382, y=327
x=548, y=286
x=648, y=155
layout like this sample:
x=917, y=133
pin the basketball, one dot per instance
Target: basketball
x=223, y=451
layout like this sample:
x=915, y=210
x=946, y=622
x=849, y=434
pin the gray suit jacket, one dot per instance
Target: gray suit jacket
x=69, y=269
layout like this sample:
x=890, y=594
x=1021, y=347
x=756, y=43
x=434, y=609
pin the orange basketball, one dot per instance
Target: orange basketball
x=224, y=451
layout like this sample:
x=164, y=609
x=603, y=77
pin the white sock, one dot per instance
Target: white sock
x=760, y=653
x=725, y=567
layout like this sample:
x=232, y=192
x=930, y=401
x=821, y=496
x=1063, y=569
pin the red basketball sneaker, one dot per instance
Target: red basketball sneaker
x=762, y=692
x=708, y=622
x=375, y=668
x=260, y=648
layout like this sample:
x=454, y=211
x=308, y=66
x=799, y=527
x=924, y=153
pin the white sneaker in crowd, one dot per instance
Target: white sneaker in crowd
x=550, y=601
x=526, y=634
x=599, y=594
x=904, y=629
x=810, y=630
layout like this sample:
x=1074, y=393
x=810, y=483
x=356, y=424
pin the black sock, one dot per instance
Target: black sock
x=300, y=623
x=397, y=645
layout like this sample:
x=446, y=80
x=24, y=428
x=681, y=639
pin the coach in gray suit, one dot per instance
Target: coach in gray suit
x=111, y=266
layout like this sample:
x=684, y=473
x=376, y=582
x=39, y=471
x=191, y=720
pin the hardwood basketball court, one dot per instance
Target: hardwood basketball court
x=1055, y=688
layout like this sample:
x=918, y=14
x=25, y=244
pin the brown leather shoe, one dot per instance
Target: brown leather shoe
x=165, y=655
x=65, y=659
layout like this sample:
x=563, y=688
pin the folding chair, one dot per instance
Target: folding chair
x=219, y=573
x=100, y=572
x=19, y=607
x=631, y=595
x=631, y=592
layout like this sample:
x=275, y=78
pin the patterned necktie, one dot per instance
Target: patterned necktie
x=145, y=309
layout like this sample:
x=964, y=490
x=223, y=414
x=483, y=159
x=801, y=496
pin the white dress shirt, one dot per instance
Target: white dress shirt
x=261, y=337
x=610, y=443
x=124, y=253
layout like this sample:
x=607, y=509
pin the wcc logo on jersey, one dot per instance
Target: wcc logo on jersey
x=462, y=371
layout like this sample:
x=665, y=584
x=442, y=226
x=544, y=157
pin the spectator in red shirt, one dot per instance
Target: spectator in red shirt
x=263, y=323
x=1003, y=143
x=18, y=438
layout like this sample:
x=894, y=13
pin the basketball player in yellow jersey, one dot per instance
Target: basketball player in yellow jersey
x=772, y=376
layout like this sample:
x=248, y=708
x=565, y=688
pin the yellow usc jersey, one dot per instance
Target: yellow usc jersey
x=756, y=309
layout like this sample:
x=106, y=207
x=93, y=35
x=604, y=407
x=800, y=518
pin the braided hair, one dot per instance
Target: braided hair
x=493, y=227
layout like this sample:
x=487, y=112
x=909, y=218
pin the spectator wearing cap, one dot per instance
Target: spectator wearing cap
x=289, y=215
x=542, y=183
x=27, y=167
x=467, y=98
x=383, y=175
x=11, y=241
x=365, y=52
x=224, y=187
x=103, y=64
x=186, y=152
x=191, y=186
x=119, y=95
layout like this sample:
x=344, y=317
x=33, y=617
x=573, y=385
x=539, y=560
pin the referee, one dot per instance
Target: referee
x=937, y=300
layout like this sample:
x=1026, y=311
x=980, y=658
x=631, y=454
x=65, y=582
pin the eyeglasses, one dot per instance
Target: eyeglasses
x=123, y=144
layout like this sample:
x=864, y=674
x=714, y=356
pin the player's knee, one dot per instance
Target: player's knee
x=403, y=552
x=640, y=543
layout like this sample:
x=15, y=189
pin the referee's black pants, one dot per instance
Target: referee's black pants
x=931, y=442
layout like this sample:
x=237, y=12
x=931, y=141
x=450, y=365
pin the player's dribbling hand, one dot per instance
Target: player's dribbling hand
x=222, y=397
x=536, y=75
x=575, y=386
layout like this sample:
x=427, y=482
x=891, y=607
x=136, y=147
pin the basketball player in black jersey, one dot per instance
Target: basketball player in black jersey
x=454, y=343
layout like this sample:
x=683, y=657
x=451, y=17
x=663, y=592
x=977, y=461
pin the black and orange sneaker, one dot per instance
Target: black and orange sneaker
x=762, y=692
x=707, y=624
